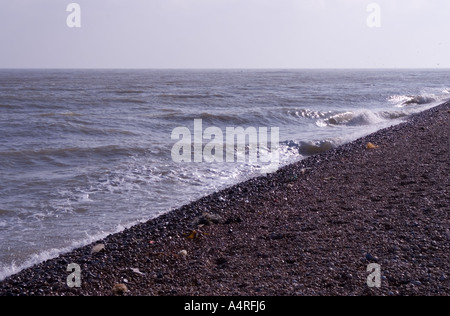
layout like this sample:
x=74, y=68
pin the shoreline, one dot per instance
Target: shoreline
x=312, y=228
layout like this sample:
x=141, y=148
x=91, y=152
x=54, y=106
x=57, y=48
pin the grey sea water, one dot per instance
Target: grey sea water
x=86, y=153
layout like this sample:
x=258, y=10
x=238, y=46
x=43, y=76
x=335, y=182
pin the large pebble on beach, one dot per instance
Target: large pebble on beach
x=208, y=219
x=119, y=289
x=97, y=248
x=183, y=254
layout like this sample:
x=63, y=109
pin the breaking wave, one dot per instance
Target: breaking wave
x=420, y=99
x=360, y=118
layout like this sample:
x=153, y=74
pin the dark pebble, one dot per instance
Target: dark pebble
x=371, y=258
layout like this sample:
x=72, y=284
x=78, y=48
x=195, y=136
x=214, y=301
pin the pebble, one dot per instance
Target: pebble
x=97, y=248
x=371, y=258
x=183, y=254
x=119, y=289
x=276, y=236
x=208, y=219
x=135, y=270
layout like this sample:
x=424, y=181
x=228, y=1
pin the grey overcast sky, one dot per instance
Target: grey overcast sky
x=225, y=34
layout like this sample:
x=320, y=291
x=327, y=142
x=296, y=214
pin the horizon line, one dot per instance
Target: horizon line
x=223, y=68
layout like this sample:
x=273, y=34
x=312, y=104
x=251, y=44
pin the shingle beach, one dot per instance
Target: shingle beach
x=312, y=228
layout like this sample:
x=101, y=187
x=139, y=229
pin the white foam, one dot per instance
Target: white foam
x=7, y=270
x=355, y=118
x=85, y=198
x=426, y=97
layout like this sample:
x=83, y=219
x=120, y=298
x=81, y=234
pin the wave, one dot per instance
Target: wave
x=207, y=117
x=306, y=113
x=94, y=131
x=420, y=99
x=54, y=114
x=123, y=100
x=28, y=156
x=223, y=117
x=74, y=123
x=360, y=118
x=129, y=91
x=191, y=96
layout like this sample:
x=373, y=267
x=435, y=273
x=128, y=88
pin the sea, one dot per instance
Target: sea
x=87, y=153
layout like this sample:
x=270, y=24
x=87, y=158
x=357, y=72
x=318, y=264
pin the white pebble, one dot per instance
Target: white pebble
x=98, y=248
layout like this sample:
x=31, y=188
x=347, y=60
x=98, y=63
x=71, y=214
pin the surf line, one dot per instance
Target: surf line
x=233, y=148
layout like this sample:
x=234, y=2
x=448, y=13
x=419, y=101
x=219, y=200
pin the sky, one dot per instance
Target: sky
x=225, y=34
